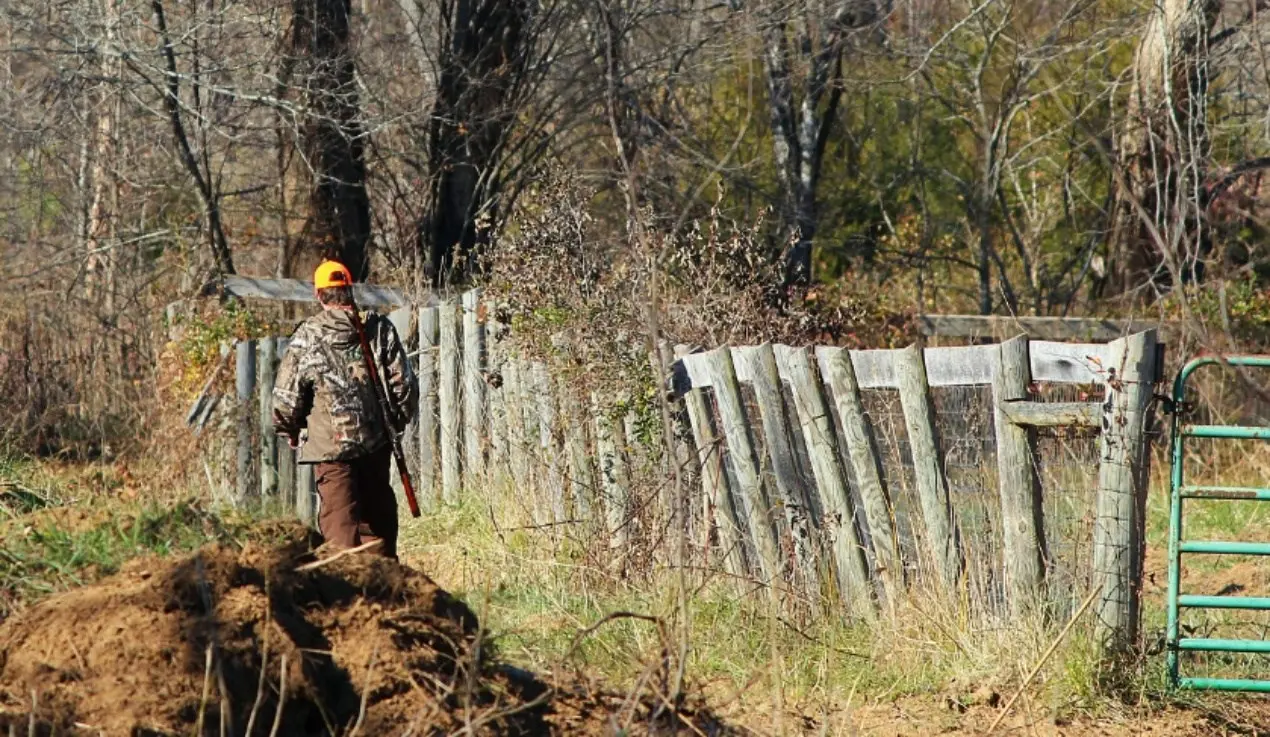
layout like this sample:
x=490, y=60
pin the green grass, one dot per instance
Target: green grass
x=65, y=526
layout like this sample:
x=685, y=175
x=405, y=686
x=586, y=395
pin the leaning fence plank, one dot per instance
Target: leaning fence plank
x=495, y=395
x=429, y=429
x=928, y=466
x=866, y=463
x=304, y=493
x=513, y=400
x=762, y=371
x=745, y=465
x=1122, y=476
x=473, y=384
x=286, y=454
x=573, y=420
x=838, y=509
x=549, y=440
x=612, y=475
x=1018, y=485
x=266, y=364
x=448, y=395
x=246, y=385
x=718, y=500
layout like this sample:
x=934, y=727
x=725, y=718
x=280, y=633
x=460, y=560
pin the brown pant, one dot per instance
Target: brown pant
x=358, y=505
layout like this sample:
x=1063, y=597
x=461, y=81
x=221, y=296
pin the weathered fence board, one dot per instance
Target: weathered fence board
x=760, y=371
x=305, y=499
x=720, y=508
x=286, y=454
x=838, y=510
x=867, y=467
x=745, y=465
x=1054, y=414
x=429, y=427
x=474, y=424
x=574, y=422
x=612, y=474
x=1048, y=328
x=517, y=440
x=245, y=383
x=266, y=365
x=1122, y=480
x=448, y=401
x=928, y=466
x=549, y=440
x=1019, y=487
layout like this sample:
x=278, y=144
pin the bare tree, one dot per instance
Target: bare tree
x=333, y=146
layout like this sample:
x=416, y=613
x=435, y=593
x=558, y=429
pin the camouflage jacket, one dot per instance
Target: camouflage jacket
x=323, y=385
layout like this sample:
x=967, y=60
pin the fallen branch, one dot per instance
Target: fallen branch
x=343, y=553
x=1040, y=663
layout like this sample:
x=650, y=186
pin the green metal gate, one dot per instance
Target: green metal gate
x=1179, y=547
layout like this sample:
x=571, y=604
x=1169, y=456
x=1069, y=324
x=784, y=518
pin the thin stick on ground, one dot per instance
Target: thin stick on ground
x=35, y=705
x=343, y=553
x=1041, y=663
x=264, y=671
x=282, y=697
x=207, y=692
x=361, y=710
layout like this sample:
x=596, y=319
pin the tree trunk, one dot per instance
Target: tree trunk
x=1162, y=150
x=481, y=65
x=338, y=224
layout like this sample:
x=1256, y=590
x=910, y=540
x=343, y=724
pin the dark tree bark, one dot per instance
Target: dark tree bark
x=482, y=60
x=338, y=224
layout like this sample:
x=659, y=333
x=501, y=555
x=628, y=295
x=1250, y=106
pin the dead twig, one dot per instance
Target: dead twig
x=361, y=710
x=282, y=698
x=207, y=692
x=341, y=554
x=1040, y=663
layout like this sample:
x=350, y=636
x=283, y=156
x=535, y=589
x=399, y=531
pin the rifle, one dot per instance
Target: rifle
x=381, y=395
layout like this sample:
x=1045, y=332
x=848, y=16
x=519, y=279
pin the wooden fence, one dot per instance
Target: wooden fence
x=776, y=444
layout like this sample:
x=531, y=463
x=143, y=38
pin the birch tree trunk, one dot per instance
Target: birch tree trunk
x=1162, y=150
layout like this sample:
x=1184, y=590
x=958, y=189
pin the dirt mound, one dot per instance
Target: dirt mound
x=231, y=641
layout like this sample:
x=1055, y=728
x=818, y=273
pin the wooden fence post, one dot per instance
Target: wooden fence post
x=448, y=394
x=245, y=382
x=286, y=454
x=548, y=439
x=429, y=430
x=495, y=395
x=765, y=378
x=745, y=466
x=1019, y=490
x=473, y=385
x=304, y=493
x=581, y=482
x=612, y=475
x=831, y=483
x=1122, y=485
x=928, y=466
x=866, y=463
x=266, y=365
x=720, y=508
x=513, y=401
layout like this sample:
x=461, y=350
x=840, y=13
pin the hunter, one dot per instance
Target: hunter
x=324, y=389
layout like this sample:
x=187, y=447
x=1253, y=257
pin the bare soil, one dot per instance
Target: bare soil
x=370, y=647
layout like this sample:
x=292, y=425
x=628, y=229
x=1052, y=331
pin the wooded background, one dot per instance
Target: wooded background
x=869, y=160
